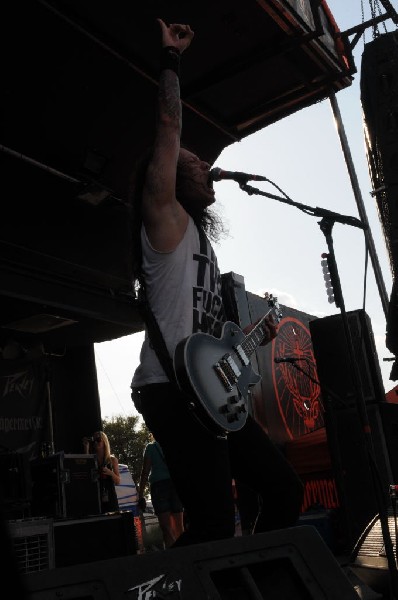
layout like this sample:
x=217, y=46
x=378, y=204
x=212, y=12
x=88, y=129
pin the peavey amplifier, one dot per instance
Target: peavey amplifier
x=294, y=563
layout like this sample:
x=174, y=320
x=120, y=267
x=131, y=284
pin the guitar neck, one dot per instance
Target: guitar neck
x=255, y=337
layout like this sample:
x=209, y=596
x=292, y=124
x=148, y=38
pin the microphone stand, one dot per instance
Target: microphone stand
x=328, y=219
x=306, y=373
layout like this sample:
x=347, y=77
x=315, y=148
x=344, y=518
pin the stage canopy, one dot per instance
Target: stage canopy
x=79, y=85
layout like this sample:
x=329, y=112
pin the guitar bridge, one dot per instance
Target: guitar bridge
x=223, y=378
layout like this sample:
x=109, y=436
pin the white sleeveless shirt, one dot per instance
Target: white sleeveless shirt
x=184, y=291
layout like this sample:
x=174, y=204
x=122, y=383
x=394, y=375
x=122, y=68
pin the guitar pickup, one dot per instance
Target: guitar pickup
x=229, y=361
x=242, y=355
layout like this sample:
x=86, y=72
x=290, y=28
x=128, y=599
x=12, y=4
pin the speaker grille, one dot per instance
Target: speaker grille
x=33, y=544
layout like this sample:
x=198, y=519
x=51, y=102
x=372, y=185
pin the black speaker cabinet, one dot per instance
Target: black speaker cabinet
x=235, y=298
x=16, y=484
x=33, y=544
x=95, y=538
x=292, y=563
x=389, y=417
x=333, y=362
x=362, y=477
x=369, y=557
x=379, y=97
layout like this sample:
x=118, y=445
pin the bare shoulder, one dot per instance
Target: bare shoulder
x=164, y=218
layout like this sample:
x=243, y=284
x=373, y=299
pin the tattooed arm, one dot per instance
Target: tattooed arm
x=164, y=218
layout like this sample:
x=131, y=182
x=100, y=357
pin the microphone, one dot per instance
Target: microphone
x=288, y=359
x=217, y=174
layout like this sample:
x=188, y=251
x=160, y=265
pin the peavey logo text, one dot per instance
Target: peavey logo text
x=19, y=384
x=158, y=587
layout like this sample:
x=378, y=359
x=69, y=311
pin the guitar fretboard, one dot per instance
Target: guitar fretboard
x=255, y=337
x=257, y=334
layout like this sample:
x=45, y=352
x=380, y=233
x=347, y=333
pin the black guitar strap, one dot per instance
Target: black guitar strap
x=155, y=335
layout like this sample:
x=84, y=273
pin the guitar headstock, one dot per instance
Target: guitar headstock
x=274, y=305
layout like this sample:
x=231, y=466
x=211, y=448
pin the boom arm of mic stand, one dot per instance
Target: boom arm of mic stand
x=325, y=388
x=314, y=211
x=296, y=366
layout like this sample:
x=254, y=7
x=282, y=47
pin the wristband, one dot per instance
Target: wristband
x=170, y=59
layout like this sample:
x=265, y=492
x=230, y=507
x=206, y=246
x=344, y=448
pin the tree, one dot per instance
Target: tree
x=128, y=437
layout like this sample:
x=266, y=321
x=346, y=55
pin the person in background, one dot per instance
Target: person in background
x=172, y=225
x=166, y=504
x=108, y=469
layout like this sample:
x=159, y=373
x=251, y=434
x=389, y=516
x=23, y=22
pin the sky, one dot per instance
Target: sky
x=275, y=246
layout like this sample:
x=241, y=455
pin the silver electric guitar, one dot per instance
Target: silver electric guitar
x=216, y=373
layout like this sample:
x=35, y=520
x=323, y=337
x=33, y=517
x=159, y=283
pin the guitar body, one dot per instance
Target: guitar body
x=212, y=372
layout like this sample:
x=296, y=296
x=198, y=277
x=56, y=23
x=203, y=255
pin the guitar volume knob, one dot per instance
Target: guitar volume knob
x=232, y=417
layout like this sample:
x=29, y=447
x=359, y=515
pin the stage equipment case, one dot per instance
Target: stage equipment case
x=65, y=486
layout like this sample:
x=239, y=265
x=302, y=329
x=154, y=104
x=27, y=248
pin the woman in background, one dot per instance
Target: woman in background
x=108, y=468
x=166, y=504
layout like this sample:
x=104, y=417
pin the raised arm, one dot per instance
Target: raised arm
x=164, y=218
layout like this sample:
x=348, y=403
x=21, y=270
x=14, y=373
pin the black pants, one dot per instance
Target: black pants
x=202, y=467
